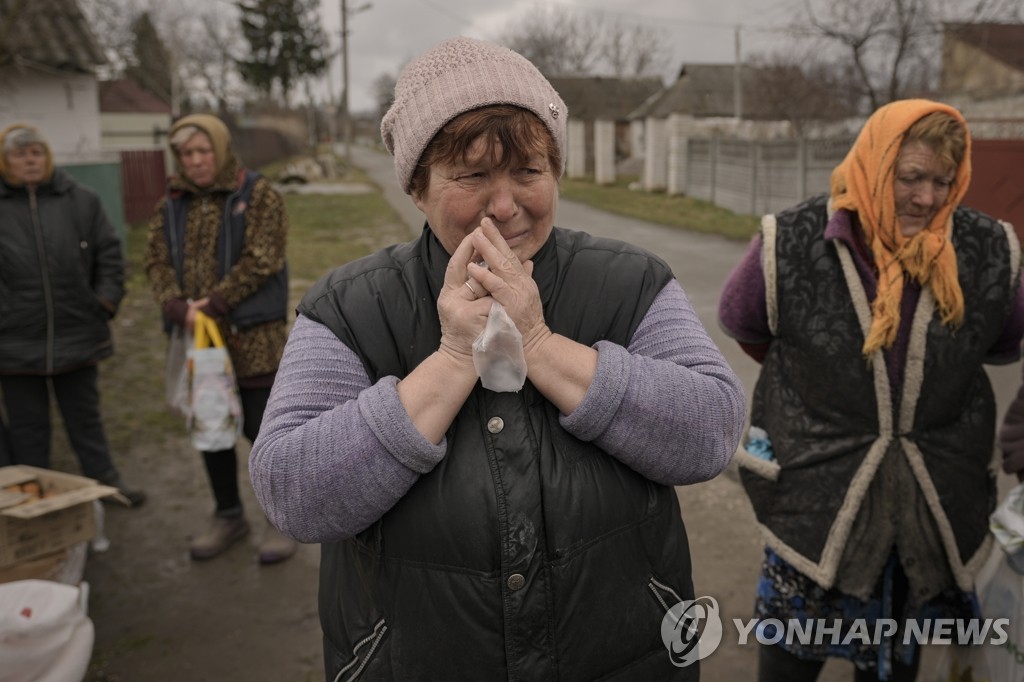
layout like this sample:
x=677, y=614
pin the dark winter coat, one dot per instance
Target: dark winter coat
x=61, y=277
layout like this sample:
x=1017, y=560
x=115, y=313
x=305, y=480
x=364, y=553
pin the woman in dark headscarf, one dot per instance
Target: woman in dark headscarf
x=217, y=245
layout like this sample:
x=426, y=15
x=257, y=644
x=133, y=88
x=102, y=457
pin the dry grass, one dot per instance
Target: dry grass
x=658, y=207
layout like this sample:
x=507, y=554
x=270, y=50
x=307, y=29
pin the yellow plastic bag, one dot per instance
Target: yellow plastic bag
x=215, y=418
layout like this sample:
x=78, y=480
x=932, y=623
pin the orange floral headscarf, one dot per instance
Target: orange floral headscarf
x=863, y=183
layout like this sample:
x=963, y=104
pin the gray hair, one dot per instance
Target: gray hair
x=19, y=138
x=183, y=135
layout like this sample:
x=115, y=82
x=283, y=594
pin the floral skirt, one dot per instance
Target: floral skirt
x=786, y=594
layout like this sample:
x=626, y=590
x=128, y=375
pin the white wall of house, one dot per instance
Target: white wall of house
x=678, y=139
x=604, y=152
x=64, y=106
x=577, y=152
x=655, y=154
x=120, y=131
x=131, y=132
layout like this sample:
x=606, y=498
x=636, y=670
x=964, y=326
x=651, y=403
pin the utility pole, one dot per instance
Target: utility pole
x=346, y=115
x=737, y=82
x=346, y=120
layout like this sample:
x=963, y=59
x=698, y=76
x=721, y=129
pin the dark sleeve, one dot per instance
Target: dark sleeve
x=1011, y=435
x=108, y=271
x=1006, y=349
x=742, y=308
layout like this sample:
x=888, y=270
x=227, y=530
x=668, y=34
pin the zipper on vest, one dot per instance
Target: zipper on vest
x=373, y=639
x=44, y=270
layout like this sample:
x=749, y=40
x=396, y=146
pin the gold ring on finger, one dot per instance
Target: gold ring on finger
x=470, y=285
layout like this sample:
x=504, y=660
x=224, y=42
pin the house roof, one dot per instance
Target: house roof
x=604, y=97
x=1004, y=42
x=702, y=90
x=126, y=96
x=51, y=33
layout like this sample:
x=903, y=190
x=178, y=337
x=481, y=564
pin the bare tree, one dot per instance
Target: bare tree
x=891, y=45
x=208, y=61
x=384, y=92
x=792, y=86
x=633, y=49
x=564, y=42
x=201, y=41
x=111, y=23
x=558, y=41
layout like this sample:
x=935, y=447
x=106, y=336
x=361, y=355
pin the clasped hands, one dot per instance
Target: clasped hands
x=470, y=289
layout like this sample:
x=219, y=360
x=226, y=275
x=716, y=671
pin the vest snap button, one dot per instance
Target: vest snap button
x=516, y=581
x=495, y=424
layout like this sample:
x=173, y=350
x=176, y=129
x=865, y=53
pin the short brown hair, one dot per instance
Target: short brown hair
x=518, y=131
x=944, y=134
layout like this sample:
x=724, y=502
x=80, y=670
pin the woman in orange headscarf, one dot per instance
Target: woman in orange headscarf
x=872, y=310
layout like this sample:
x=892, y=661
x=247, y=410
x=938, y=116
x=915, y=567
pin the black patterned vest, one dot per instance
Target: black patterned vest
x=829, y=411
x=526, y=554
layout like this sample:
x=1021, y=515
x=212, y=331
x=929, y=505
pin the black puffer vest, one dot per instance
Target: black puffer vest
x=526, y=554
x=830, y=413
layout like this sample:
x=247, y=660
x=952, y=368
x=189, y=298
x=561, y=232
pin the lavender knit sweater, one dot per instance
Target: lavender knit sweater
x=335, y=453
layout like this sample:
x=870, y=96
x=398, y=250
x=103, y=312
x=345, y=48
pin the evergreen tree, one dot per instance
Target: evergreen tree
x=285, y=43
x=150, y=60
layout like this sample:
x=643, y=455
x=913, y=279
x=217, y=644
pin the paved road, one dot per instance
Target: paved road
x=723, y=539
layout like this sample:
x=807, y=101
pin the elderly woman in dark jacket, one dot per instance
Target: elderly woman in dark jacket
x=61, y=281
x=217, y=245
x=479, y=534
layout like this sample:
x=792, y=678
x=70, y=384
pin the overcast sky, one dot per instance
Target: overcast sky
x=387, y=33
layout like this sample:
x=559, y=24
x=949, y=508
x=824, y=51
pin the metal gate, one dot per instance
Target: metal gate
x=997, y=180
x=143, y=181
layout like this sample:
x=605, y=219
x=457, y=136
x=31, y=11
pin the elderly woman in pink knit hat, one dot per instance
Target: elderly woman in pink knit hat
x=476, y=526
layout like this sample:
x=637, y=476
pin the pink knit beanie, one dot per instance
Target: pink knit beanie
x=456, y=76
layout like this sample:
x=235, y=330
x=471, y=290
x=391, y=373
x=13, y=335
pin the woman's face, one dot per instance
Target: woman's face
x=27, y=165
x=921, y=186
x=198, y=161
x=520, y=199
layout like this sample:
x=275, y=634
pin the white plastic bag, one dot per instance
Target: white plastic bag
x=45, y=632
x=498, y=353
x=1001, y=593
x=1002, y=596
x=176, y=372
x=215, y=418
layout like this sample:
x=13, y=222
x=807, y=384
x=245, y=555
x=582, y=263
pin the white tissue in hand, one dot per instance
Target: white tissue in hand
x=498, y=353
